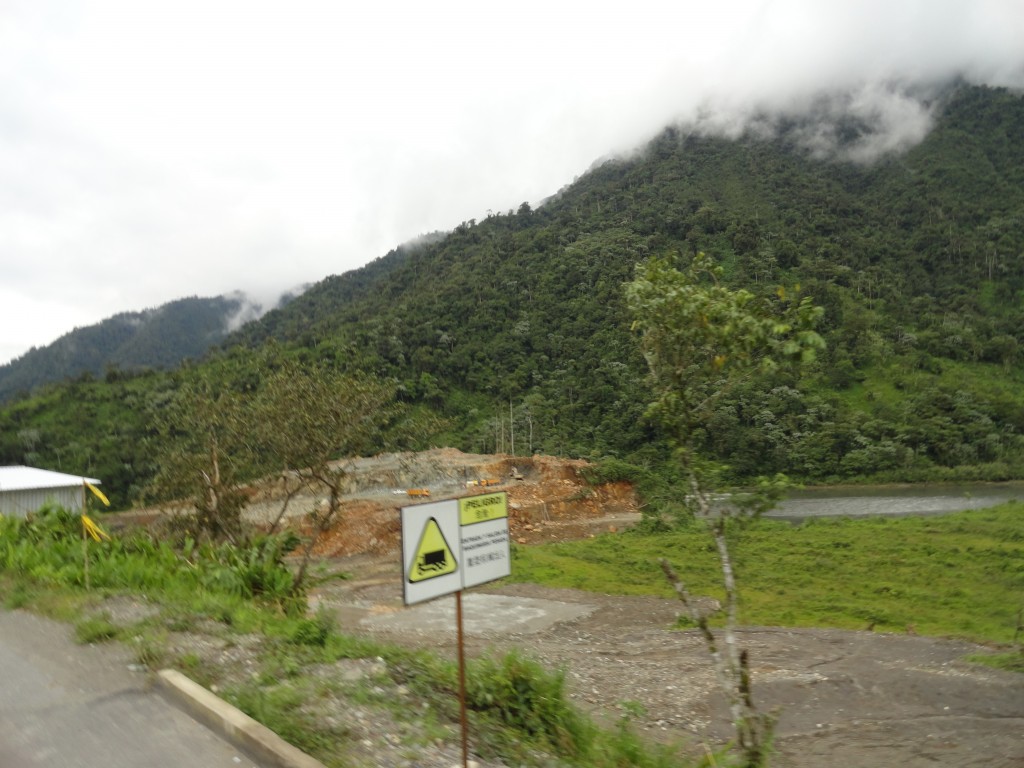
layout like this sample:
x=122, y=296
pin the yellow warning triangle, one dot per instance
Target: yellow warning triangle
x=433, y=556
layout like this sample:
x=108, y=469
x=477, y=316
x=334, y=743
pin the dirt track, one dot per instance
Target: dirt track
x=852, y=699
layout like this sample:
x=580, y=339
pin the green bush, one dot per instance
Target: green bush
x=521, y=693
x=255, y=570
x=95, y=629
x=47, y=549
x=315, y=631
x=613, y=470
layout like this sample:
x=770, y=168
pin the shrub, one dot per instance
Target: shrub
x=521, y=693
x=95, y=629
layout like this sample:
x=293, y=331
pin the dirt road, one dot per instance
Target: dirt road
x=66, y=705
x=851, y=699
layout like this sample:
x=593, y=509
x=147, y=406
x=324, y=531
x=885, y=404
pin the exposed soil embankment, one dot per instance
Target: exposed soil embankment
x=549, y=498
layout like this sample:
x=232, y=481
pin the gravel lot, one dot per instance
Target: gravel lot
x=855, y=699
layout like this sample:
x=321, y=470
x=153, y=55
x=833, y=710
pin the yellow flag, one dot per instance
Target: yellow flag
x=98, y=493
x=94, y=530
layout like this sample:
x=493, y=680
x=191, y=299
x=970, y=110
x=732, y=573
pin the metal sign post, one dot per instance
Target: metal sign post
x=463, y=718
x=448, y=546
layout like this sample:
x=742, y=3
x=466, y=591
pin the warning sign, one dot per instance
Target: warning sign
x=452, y=545
x=430, y=551
x=479, y=509
x=433, y=556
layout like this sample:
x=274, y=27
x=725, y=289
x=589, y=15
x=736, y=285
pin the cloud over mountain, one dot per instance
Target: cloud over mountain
x=161, y=149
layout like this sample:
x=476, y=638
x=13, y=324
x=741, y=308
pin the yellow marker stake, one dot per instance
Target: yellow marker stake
x=97, y=533
x=89, y=528
x=97, y=492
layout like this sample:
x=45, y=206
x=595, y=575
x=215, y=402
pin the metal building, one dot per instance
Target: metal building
x=25, y=489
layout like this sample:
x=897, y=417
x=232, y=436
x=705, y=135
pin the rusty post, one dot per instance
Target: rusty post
x=462, y=681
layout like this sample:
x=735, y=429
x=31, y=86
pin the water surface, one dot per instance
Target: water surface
x=925, y=499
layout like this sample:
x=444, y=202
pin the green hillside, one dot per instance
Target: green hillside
x=918, y=261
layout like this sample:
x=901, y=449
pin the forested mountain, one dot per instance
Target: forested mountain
x=917, y=259
x=154, y=338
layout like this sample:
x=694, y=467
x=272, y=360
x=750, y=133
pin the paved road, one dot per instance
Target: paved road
x=64, y=705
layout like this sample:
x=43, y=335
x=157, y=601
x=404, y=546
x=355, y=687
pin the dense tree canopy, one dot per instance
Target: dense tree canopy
x=701, y=339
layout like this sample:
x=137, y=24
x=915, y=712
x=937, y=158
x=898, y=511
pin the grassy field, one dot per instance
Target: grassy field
x=959, y=575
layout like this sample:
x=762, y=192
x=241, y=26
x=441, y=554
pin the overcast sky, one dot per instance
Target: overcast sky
x=156, y=149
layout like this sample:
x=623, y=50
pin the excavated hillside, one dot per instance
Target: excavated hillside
x=549, y=498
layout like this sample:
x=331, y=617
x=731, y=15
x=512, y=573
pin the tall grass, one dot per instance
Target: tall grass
x=47, y=549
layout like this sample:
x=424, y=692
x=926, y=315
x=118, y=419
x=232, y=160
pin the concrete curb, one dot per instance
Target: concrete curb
x=231, y=723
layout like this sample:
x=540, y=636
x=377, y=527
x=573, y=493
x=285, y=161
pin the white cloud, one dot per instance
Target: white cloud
x=154, y=150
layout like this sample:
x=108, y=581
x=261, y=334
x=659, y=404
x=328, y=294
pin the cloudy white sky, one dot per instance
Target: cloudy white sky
x=166, y=148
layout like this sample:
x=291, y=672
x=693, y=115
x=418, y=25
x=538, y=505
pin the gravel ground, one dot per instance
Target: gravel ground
x=856, y=699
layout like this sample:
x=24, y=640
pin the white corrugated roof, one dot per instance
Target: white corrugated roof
x=30, y=478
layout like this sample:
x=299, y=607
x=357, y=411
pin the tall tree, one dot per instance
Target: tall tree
x=312, y=421
x=700, y=339
x=205, y=443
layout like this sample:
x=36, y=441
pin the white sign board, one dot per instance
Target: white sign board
x=486, y=551
x=455, y=544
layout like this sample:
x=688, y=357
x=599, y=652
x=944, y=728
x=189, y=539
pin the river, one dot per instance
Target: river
x=896, y=500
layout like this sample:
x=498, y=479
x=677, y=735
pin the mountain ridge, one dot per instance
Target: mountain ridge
x=517, y=322
x=160, y=337
x=517, y=305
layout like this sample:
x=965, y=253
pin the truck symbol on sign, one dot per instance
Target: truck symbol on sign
x=432, y=561
x=433, y=557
